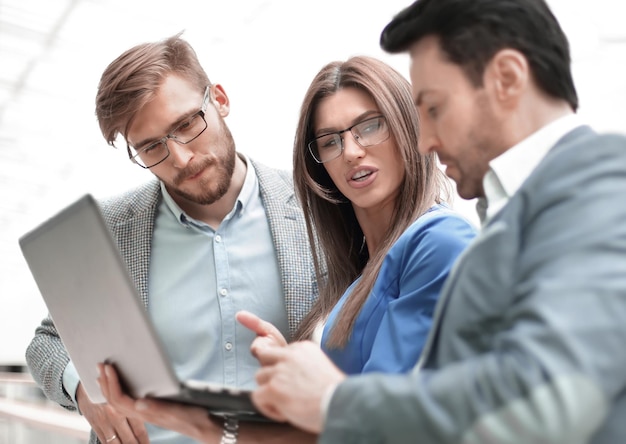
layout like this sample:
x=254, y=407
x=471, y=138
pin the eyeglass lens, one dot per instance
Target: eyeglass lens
x=184, y=133
x=367, y=133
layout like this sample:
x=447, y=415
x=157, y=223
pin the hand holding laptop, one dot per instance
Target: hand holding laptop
x=194, y=421
x=110, y=424
x=186, y=419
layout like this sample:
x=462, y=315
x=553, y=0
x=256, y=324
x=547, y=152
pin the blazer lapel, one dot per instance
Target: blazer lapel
x=133, y=230
x=290, y=242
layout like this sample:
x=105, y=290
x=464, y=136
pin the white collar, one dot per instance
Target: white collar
x=509, y=170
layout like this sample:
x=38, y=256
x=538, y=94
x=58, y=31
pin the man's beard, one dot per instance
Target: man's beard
x=215, y=187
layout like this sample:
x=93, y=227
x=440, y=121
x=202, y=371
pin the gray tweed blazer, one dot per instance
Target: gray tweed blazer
x=131, y=216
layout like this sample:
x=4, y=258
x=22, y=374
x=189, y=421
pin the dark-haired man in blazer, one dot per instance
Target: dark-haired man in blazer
x=528, y=340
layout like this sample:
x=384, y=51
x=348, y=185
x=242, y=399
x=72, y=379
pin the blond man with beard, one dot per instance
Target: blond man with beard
x=212, y=234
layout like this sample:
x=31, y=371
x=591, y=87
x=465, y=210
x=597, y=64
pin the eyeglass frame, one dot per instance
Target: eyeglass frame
x=171, y=135
x=310, y=144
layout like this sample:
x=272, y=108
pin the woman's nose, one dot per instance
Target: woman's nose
x=351, y=148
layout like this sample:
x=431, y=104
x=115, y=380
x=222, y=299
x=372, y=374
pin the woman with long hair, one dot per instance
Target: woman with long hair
x=382, y=236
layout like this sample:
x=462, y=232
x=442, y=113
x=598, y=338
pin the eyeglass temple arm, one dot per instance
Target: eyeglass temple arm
x=207, y=97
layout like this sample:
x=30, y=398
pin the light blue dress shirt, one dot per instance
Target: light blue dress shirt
x=200, y=277
x=391, y=329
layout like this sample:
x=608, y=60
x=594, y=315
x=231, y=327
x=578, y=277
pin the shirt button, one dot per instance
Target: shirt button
x=218, y=238
x=223, y=292
x=228, y=346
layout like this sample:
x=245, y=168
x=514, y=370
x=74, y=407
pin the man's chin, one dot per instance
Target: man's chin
x=464, y=188
x=203, y=199
x=467, y=191
x=453, y=175
x=207, y=194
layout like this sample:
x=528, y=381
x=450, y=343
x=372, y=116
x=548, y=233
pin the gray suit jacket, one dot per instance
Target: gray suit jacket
x=131, y=219
x=528, y=340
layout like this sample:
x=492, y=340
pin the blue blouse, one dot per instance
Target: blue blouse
x=392, y=327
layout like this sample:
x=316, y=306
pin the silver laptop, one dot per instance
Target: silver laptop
x=98, y=313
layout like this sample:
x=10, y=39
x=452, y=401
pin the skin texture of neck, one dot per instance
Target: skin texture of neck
x=535, y=111
x=375, y=224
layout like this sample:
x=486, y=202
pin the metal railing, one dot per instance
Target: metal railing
x=25, y=413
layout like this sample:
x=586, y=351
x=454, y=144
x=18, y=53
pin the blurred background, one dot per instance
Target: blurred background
x=264, y=53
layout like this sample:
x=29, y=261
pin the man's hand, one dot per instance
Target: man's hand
x=293, y=381
x=108, y=423
x=187, y=420
x=266, y=332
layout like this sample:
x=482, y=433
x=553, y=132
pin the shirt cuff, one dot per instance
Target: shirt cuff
x=70, y=381
x=325, y=403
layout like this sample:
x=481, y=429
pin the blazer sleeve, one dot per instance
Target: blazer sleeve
x=554, y=371
x=428, y=253
x=47, y=358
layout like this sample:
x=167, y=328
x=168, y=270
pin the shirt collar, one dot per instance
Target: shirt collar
x=250, y=186
x=509, y=170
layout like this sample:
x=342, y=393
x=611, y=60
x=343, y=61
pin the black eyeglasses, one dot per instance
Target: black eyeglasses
x=366, y=133
x=188, y=131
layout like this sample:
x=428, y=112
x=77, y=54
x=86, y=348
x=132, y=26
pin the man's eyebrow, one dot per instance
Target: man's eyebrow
x=169, y=130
